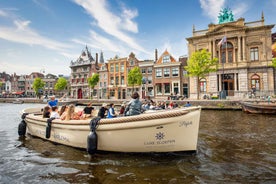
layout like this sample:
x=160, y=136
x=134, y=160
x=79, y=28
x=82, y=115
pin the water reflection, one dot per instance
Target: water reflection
x=233, y=147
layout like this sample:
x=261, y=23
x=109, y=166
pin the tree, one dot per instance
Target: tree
x=61, y=84
x=200, y=64
x=38, y=86
x=274, y=62
x=93, y=81
x=134, y=77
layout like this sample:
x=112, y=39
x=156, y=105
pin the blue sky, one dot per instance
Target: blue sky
x=45, y=35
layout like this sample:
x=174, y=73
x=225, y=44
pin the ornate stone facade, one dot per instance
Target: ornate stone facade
x=81, y=70
x=244, y=58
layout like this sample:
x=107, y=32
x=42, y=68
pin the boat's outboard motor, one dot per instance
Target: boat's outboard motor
x=22, y=125
x=48, y=127
x=92, y=138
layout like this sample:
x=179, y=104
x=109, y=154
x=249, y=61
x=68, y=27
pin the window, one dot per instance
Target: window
x=254, y=54
x=175, y=88
x=255, y=82
x=202, y=85
x=166, y=59
x=150, y=91
x=111, y=68
x=122, y=80
x=149, y=80
x=149, y=69
x=228, y=47
x=175, y=72
x=166, y=72
x=185, y=90
x=112, y=80
x=117, y=67
x=112, y=92
x=122, y=67
x=131, y=62
x=167, y=88
x=143, y=70
x=159, y=89
x=158, y=72
x=117, y=80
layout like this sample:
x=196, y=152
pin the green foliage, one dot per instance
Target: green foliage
x=134, y=77
x=200, y=64
x=93, y=80
x=274, y=62
x=38, y=86
x=220, y=105
x=61, y=84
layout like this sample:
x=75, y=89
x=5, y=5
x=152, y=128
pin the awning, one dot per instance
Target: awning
x=19, y=92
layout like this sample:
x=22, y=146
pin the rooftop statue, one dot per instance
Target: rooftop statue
x=225, y=15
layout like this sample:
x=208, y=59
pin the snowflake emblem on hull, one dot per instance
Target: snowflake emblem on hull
x=160, y=136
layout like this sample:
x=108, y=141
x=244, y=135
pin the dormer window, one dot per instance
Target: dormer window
x=166, y=59
x=131, y=62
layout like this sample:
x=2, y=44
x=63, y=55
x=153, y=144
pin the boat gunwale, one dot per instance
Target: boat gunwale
x=259, y=105
x=125, y=119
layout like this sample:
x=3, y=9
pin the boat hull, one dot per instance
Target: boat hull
x=259, y=108
x=164, y=131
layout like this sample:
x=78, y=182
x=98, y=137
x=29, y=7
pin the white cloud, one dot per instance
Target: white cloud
x=112, y=24
x=3, y=13
x=22, y=33
x=240, y=9
x=212, y=8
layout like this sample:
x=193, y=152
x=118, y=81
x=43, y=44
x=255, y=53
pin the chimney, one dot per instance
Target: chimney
x=96, y=57
x=156, y=55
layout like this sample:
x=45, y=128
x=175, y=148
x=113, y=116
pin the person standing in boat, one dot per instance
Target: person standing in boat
x=135, y=106
x=111, y=111
x=53, y=101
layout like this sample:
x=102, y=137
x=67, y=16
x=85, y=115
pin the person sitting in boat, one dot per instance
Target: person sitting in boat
x=103, y=110
x=135, y=106
x=188, y=104
x=71, y=114
x=54, y=113
x=87, y=111
x=46, y=112
x=62, y=110
x=122, y=109
x=111, y=111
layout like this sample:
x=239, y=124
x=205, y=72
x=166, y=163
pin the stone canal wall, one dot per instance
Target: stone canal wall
x=205, y=104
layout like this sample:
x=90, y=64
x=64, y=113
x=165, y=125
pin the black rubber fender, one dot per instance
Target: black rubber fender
x=48, y=127
x=92, y=138
x=22, y=128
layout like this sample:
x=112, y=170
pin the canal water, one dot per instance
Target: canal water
x=233, y=147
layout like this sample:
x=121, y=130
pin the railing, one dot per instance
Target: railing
x=231, y=94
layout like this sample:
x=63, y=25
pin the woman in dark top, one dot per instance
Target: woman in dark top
x=46, y=112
